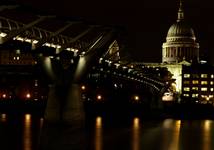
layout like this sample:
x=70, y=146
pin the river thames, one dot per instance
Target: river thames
x=29, y=132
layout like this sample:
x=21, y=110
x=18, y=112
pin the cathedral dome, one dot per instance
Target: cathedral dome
x=180, y=41
x=181, y=29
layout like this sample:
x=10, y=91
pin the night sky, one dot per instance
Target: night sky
x=146, y=22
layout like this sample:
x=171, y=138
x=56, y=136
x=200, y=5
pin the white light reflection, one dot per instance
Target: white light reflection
x=98, y=134
x=136, y=134
x=80, y=67
x=48, y=67
x=27, y=141
x=168, y=123
x=207, y=139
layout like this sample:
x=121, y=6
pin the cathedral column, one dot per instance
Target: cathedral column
x=176, y=54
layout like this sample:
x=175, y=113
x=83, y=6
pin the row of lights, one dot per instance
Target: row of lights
x=99, y=97
x=4, y=95
x=33, y=41
x=139, y=80
x=130, y=69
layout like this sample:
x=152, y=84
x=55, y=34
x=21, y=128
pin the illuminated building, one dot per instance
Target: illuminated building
x=180, y=54
x=180, y=42
x=198, y=82
x=16, y=57
x=180, y=48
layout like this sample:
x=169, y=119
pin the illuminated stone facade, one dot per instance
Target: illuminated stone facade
x=179, y=50
x=180, y=42
x=175, y=70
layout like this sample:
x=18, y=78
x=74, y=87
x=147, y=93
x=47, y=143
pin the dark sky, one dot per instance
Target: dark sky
x=146, y=21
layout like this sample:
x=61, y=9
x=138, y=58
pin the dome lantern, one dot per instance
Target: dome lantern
x=180, y=12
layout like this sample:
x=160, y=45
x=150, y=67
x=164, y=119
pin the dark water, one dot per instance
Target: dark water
x=28, y=132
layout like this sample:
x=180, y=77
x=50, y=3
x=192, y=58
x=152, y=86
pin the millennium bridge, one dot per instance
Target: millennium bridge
x=74, y=56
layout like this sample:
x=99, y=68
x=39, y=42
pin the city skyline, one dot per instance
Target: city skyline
x=147, y=23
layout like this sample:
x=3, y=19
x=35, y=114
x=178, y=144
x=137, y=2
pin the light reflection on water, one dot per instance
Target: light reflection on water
x=171, y=134
x=98, y=133
x=136, y=134
x=168, y=134
x=206, y=145
x=27, y=139
x=174, y=145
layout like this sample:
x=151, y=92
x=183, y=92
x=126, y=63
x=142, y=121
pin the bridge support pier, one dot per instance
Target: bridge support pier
x=156, y=104
x=64, y=106
x=73, y=110
x=52, y=111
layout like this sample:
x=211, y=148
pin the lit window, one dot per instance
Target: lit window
x=195, y=82
x=186, y=95
x=194, y=95
x=211, y=82
x=203, y=89
x=186, y=75
x=211, y=89
x=195, y=76
x=195, y=88
x=212, y=76
x=203, y=82
x=18, y=51
x=203, y=75
x=186, y=89
x=36, y=83
x=203, y=96
x=186, y=82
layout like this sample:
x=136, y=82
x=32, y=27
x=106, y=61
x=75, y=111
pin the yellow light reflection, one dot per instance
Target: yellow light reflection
x=98, y=134
x=136, y=134
x=171, y=134
x=207, y=135
x=3, y=117
x=27, y=143
x=174, y=145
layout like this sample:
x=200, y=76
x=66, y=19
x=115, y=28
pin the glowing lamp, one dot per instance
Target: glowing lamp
x=136, y=98
x=4, y=95
x=83, y=87
x=99, y=97
x=28, y=95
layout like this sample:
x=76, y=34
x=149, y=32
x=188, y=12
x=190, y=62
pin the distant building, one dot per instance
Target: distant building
x=16, y=57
